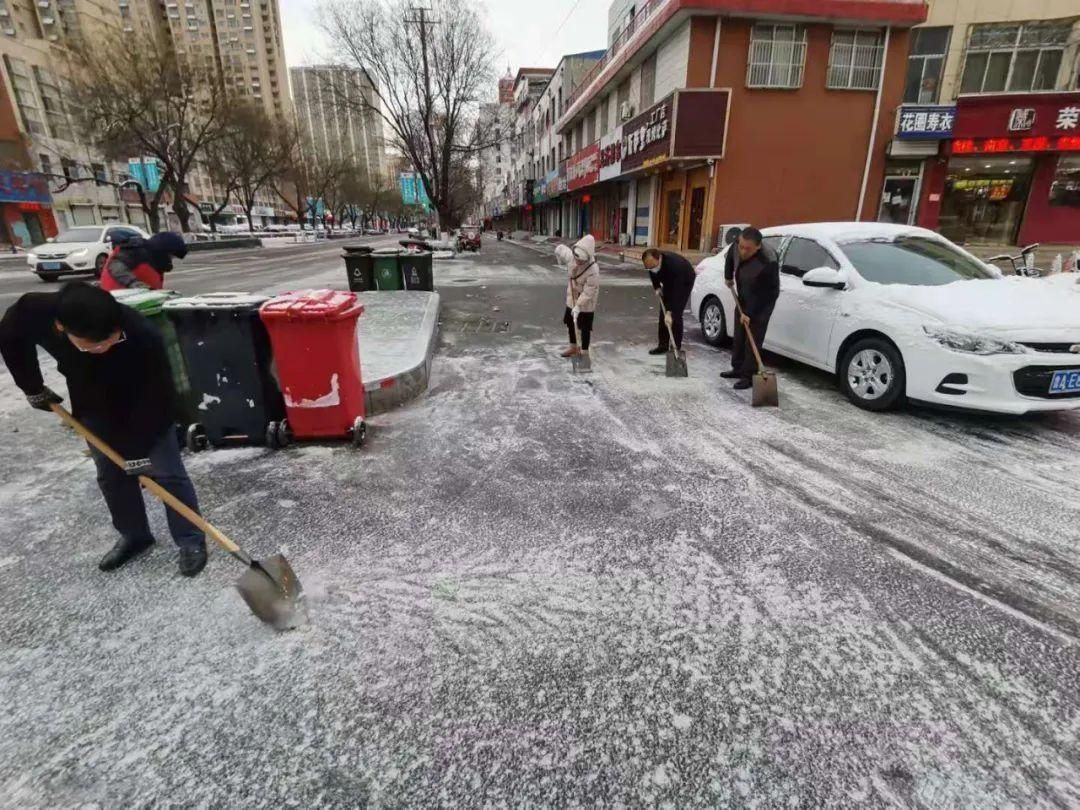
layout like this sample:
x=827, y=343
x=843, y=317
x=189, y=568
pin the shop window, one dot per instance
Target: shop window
x=674, y=209
x=984, y=199
x=803, y=255
x=1017, y=58
x=855, y=60
x=777, y=56
x=926, y=58
x=1066, y=186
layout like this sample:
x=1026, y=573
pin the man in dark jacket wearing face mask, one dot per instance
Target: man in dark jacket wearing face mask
x=753, y=274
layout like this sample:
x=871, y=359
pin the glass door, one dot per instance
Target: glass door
x=898, y=200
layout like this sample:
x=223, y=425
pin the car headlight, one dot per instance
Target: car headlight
x=972, y=344
x=78, y=254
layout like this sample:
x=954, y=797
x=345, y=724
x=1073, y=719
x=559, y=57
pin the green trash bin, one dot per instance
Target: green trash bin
x=359, y=268
x=387, y=269
x=416, y=270
x=149, y=304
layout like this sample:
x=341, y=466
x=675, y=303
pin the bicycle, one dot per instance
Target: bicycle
x=1022, y=264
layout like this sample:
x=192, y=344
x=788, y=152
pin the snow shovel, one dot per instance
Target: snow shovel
x=764, y=392
x=269, y=587
x=676, y=360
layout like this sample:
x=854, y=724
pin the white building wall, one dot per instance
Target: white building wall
x=672, y=59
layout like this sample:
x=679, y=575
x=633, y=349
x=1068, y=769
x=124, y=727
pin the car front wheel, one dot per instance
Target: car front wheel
x=872, y=375
x=99, y=264
x=713, y=327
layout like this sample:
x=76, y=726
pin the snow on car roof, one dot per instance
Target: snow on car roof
x=841, y=232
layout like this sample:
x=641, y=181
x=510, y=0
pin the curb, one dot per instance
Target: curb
x=387, y=393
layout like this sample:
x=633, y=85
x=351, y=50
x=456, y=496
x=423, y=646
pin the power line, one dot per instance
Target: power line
x=566, y=19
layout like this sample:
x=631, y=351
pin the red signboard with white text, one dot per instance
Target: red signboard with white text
x=583, y=168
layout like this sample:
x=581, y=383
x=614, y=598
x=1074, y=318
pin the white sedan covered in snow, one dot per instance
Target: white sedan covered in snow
x=902, y=313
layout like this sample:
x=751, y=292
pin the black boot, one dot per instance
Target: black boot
x=659, y=350
x=192, y=561
x=124, y=551
x=731, y=374
x=743, y=384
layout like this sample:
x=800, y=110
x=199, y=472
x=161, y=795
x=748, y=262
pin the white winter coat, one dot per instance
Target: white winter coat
x=584, y=284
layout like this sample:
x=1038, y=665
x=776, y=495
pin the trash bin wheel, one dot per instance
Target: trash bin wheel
x=358, y=432
x=284, y=435
x=272, y=435
x=195, y=438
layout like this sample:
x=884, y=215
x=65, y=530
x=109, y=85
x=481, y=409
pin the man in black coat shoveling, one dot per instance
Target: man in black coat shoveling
x=753, y=274
x=121, y=387
x=672, y=279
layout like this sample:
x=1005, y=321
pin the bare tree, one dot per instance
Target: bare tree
x=136, y=99
x=429, y=68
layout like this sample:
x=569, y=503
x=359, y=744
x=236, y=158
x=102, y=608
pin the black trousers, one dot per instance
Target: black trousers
x=585, y=323
x=742, y=358
x=662, y=337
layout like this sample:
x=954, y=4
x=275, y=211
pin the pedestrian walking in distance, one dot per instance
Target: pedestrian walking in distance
x=121, y=388
x=752, y=273
x=582, y=290
x=672, y=279
x=142, y=263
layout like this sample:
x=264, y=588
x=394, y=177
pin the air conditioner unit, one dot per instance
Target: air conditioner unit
x=626, y=111
x=729, y=233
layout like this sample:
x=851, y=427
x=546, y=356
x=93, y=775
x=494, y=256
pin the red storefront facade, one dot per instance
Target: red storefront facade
x=1009, y=173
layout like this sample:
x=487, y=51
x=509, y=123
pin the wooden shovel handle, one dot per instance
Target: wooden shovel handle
x=151, y=485
x=750, y=339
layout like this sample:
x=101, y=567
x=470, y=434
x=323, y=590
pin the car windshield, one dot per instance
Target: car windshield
x=914, y=260
x=79, y=235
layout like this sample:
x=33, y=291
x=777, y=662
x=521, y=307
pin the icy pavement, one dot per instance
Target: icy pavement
x=534, y=589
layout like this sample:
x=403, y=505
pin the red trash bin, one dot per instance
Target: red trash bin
x=313, y=335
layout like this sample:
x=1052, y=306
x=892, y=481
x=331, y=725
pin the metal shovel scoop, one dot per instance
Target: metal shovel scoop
x=764, y=392
x=269, y=587
x=580, y=360
x=676, y=360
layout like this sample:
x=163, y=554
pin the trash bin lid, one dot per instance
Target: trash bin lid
x=147, y=302
x=220, y=300
x=330, y=305
x=387, y=252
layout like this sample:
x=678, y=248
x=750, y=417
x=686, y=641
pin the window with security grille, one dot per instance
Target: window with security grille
x=777, y=56
x=926, y=58
x=855, y=60
x=1014, y=58
x=25, y=97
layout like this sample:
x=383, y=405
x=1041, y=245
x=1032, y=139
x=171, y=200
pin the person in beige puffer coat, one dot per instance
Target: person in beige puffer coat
x=582, y=290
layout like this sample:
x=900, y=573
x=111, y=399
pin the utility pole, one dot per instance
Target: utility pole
x=419, y=17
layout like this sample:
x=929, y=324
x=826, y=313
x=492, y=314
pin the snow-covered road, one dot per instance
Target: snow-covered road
x=539, y=589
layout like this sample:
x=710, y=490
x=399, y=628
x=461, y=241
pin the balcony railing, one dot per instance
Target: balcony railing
x=647, y=10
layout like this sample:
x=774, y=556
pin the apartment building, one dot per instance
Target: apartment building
x=240, y=40
x=708, y=113
x=549, y=182
x=986, y=145
x=37, y=131
x=337, y=109
x=529, y=84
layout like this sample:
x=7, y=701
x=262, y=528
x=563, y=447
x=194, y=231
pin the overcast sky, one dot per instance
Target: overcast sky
x=529, y=33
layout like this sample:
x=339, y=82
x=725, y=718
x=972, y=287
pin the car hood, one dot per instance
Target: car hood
x=63, y=247
x=1011, y=307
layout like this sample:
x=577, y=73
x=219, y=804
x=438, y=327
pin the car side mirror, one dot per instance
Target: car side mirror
x=825, y=277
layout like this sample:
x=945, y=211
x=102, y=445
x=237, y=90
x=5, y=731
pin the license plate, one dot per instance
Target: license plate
x=49, y=266
x=1065, y=382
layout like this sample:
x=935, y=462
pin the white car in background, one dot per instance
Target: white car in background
x=81, y=250
x=902, y=313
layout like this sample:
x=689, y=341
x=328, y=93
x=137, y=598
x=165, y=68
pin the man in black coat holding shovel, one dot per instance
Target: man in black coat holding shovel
x=672, y=278
x=121, y=388
x=753, y=274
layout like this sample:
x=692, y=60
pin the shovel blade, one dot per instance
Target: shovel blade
x=765, y=393
x=676, y=364
x=271, y=589
x=581, y=362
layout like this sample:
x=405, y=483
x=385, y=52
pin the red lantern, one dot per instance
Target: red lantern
x=586, y=199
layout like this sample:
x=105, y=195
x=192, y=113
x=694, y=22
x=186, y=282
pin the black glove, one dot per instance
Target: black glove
x=137, y=466
x=44, y=399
